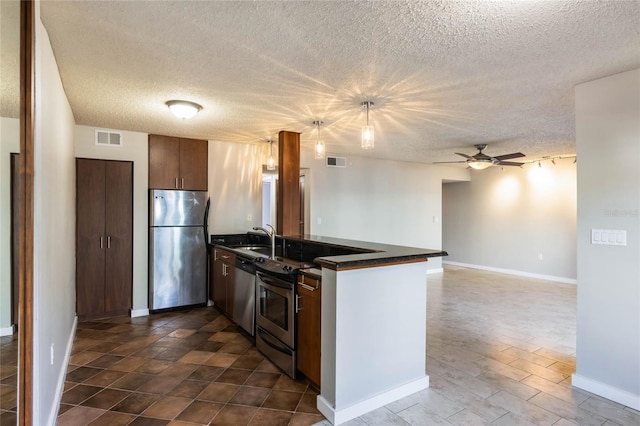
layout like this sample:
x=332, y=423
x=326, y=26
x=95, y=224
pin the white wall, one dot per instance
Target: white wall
x=235, y=187
x=135, y=147
x=506, y=219
x=608, y=326
x=379, y=200
x=9, y=142
x=54, y=231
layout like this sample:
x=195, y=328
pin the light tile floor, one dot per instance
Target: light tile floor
x=500, y=351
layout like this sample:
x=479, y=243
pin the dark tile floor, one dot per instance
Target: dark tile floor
x=178, y=368
x=8, y=379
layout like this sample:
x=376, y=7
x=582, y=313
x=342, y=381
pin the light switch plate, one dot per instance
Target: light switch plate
x=609, y=237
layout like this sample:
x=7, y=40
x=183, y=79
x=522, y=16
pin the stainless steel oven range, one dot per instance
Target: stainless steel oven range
x=276, y=311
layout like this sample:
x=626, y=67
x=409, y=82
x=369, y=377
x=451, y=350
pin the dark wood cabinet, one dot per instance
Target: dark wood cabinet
x=308, y=331
x=222, y=280
x=178, y=163
x=104, y=238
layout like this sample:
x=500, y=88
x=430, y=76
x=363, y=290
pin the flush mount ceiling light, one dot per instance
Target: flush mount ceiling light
x=366, y=139
x=319, y=151
x=184, y=109
x=271, y=162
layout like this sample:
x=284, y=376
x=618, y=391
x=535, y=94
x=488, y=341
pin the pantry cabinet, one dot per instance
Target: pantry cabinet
x=177, y=163
x=104, y=238
x=308, y=331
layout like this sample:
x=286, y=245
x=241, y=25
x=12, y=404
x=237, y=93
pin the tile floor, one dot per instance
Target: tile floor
x=500, y=351
x=179, y=368
x=8, y=379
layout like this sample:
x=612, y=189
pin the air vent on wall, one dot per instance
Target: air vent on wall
x=108, y=138
x=336, y=161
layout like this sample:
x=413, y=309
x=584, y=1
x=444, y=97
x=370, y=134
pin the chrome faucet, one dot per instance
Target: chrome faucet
x=271, y=234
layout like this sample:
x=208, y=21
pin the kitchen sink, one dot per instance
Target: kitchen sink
x=260, y=250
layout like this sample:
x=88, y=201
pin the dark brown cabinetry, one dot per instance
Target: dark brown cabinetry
x=222, y=277
x=308, y=331
x=177, y=163
x=104, y=238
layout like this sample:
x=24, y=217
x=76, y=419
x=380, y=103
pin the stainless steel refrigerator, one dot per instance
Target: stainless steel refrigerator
x=177, y=248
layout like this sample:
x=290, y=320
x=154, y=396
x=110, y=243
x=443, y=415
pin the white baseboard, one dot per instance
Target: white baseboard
x=609, y=392
x=139, y=313
x=435, y=271
x=63, y=374
x=513, y=272
x=7, y=331
x=339, y=416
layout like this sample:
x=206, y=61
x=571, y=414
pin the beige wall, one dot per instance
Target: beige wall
x=9, y=142
x=507, y=219
x=135, y=148
x=235, y=187
x=608, y=329
x=381, y=201
x=54, y=232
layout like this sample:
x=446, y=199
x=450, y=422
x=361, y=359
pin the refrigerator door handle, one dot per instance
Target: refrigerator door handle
x=206, y=220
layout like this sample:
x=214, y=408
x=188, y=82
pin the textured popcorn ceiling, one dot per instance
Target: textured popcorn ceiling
x=443, y=75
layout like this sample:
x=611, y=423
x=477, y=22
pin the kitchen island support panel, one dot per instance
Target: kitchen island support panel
x=373, y=338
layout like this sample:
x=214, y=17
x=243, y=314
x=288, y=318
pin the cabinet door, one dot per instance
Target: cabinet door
x=219, y=295
x=164, y=162
x=231, y=274
x=119, y=235
x=309, y=308
x=90, y=236
x=193, y=164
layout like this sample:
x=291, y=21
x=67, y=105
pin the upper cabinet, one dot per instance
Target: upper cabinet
x=177, y=163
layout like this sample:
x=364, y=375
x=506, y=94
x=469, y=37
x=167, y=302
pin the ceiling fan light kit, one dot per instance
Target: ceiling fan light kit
x=481, y=161
x=184, y=109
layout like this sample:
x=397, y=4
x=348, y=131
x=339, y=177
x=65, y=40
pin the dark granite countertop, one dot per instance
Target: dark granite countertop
x=365, y=254
x=327, y=252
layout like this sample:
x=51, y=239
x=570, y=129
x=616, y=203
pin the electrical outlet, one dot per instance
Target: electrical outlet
x=249, y=217
x=319, y=221
x=540, y=257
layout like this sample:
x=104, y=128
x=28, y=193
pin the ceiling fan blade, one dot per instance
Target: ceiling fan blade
x=509, y=156
x=448, y=162
x=465, y=155
x=508, y=163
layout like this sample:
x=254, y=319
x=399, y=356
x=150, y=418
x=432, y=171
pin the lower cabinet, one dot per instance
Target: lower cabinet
x=308, y=331
x=222, y=279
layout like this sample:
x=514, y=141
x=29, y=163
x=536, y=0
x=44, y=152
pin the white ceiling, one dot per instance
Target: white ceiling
x=443, y=75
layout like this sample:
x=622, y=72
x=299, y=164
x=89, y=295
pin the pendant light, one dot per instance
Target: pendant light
x=319, y=150
x=184, y=109
x=366, y=140
x=271, y=162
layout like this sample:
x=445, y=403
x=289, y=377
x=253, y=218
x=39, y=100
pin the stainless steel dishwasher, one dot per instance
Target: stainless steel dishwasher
x=244, y=294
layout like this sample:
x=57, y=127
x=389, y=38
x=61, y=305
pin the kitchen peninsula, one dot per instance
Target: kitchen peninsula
x=373, y=317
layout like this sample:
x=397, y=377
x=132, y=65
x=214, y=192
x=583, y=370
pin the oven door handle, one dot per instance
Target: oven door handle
x=274, y=281
x=266, y=337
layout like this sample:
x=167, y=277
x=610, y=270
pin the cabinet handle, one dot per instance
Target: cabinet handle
x=101, y=241
x=224, y=269
x=176, y=183
x=109, y=241
x=182, y=187
x=307, y=286
x=298, y=308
